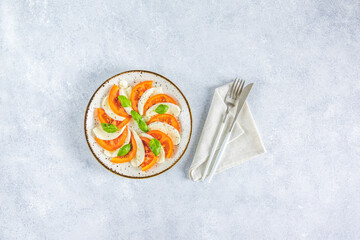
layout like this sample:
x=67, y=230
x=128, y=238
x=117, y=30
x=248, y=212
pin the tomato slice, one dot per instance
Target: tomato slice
x=114, y=102
x=165, y=141
x=150, y=158
x=104, y=118
x=128, y=157
x=166, y=118
x=114, y=144
x=137, y=91
x=158, y=99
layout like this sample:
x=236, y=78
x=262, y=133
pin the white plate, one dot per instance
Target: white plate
x=134, y=77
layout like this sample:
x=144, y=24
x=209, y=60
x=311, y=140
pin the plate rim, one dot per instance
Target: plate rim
x=87, y=110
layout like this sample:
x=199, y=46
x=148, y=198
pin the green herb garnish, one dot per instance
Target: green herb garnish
x=155, y=146
x=161, y=109
x=125, y=102
x=124, y=150
x=143, y=126
x=108, y=127
x=136, y=116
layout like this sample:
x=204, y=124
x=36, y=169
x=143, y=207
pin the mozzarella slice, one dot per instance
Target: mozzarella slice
x=146, y=95
x=169, y=130
x=128, y=110
x=114, y=153
x=108, y=153
x=108, y=111
x=162, y=152
x=173, y=110
x=125, y=91
x=101, y=134
x=123, y=84
x=128, y=137
x=134, y=126
x=140, y=152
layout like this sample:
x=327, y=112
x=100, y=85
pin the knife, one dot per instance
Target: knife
x=241, y=102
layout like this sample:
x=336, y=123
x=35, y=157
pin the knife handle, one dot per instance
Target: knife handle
x=218, y=157
x=213, y=150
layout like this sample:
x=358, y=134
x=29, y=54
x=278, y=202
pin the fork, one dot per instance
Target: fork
x=230, y=99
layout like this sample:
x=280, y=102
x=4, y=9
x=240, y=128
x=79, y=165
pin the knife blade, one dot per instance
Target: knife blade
x=241, y=102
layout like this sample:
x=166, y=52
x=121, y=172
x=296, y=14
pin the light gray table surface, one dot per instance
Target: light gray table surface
x=304, y=58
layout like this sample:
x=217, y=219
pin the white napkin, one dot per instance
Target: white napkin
x=245, y=142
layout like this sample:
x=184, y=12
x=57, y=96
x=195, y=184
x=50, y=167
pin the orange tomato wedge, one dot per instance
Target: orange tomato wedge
x=165, y=141
x=128, y=157
x=150, y=158
x=104, y=118
x=166, y=118
x=157, y=99
x=137, y=91
x=112, y=145
x=114, y=102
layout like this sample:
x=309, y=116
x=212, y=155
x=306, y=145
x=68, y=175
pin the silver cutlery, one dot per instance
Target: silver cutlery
x=243, y=95
x=230, y=99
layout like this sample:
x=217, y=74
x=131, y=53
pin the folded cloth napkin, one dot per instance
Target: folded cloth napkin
x=245, y=142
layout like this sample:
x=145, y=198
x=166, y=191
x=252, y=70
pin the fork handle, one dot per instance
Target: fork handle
x=216, y=143
x=213, y=150
x=218, y=157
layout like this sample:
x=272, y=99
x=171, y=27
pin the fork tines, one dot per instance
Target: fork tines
x=236, y=88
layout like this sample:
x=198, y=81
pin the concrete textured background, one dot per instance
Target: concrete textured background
x=304, y=57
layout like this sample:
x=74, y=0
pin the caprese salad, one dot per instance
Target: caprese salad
x=138, y=124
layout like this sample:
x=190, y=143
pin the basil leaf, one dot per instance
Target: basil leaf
x=108, y=127
x=125, y=102
x=161, y=109
x=143, y=126
x=136, y=116
x=124, y=150
x=155, y=146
